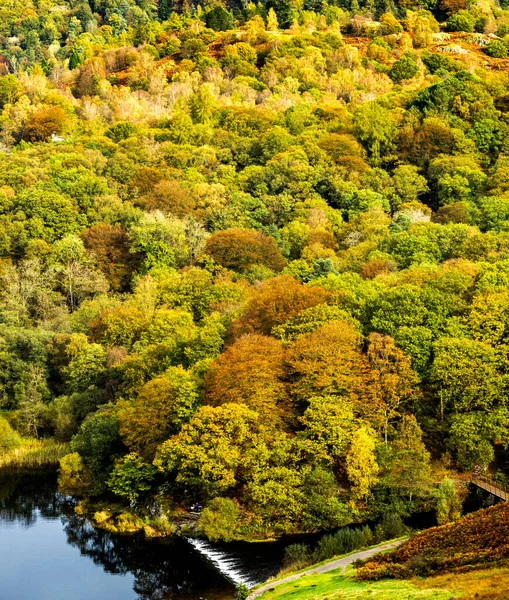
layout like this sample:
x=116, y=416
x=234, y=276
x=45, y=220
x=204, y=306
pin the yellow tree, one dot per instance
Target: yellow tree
x=272, y=24
x=361, y=466
x=329, y=421
x=328, y=361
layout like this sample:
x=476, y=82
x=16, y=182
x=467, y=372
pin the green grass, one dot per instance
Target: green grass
x=334, y=586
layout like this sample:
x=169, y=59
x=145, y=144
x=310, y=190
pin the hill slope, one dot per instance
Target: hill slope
x=477, y=539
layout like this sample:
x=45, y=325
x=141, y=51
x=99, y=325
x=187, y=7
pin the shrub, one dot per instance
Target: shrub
x=496, y=49
x=193, y=47
x=120, y=131
x=242, y=592
x=389, y=24
x=478, y=538
x=404, y=68
x=8, y=437
x=343, y=541
x=503, y=30
x=393, y=526
x=434, y=62
x=448, y=503
x=296, y=556
x=461, y=21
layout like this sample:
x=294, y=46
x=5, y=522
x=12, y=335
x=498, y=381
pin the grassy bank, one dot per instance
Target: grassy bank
x=482, y=584
x=334, y=586
x=32, y=453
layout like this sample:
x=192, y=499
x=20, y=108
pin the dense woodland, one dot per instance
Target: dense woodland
x=256, y=256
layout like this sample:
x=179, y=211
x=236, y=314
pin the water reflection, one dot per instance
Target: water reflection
x=159, y=569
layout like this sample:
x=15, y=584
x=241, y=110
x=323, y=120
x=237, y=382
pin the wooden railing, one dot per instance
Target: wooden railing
x=492, y=486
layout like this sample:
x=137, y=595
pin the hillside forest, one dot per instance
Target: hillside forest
x=256, y=257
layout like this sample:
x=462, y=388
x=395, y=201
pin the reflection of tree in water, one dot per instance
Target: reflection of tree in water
x=162, y=569
x=22, y=495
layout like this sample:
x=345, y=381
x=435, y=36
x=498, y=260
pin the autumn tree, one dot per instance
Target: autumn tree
x=328, y=361
x=272, y=23
x=120, y=325
x=275, y=301
x=46, y=121
x=170, y=197
x=239, y=249
x=361, y=465
x=109, y=245
x=251, y=371
x=392, y=380
x=161, y=408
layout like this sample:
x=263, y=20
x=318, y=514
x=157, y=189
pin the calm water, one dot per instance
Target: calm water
x=49, y=553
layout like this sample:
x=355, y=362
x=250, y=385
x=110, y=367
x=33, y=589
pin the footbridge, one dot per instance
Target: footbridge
x=491, y=486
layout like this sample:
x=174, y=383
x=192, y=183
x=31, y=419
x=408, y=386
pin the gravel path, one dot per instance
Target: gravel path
x=330, y=566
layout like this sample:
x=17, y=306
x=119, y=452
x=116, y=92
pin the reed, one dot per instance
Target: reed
x=32, y=453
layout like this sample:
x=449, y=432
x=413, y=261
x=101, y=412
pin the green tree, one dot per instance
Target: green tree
x=131, y=477
x=9, y=89
x=219, y=19
x=98, y=443
x=86, y=363
x=376, y=128
x=219, y=520
x=404, y=68
x=465, y=376
x=409, y=463
x=448, y=503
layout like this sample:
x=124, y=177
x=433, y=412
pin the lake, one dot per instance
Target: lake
x=47, y=552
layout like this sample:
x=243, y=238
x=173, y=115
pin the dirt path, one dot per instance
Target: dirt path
x=330, y=566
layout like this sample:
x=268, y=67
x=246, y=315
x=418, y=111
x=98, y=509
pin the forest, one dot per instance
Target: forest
x=256, y=257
